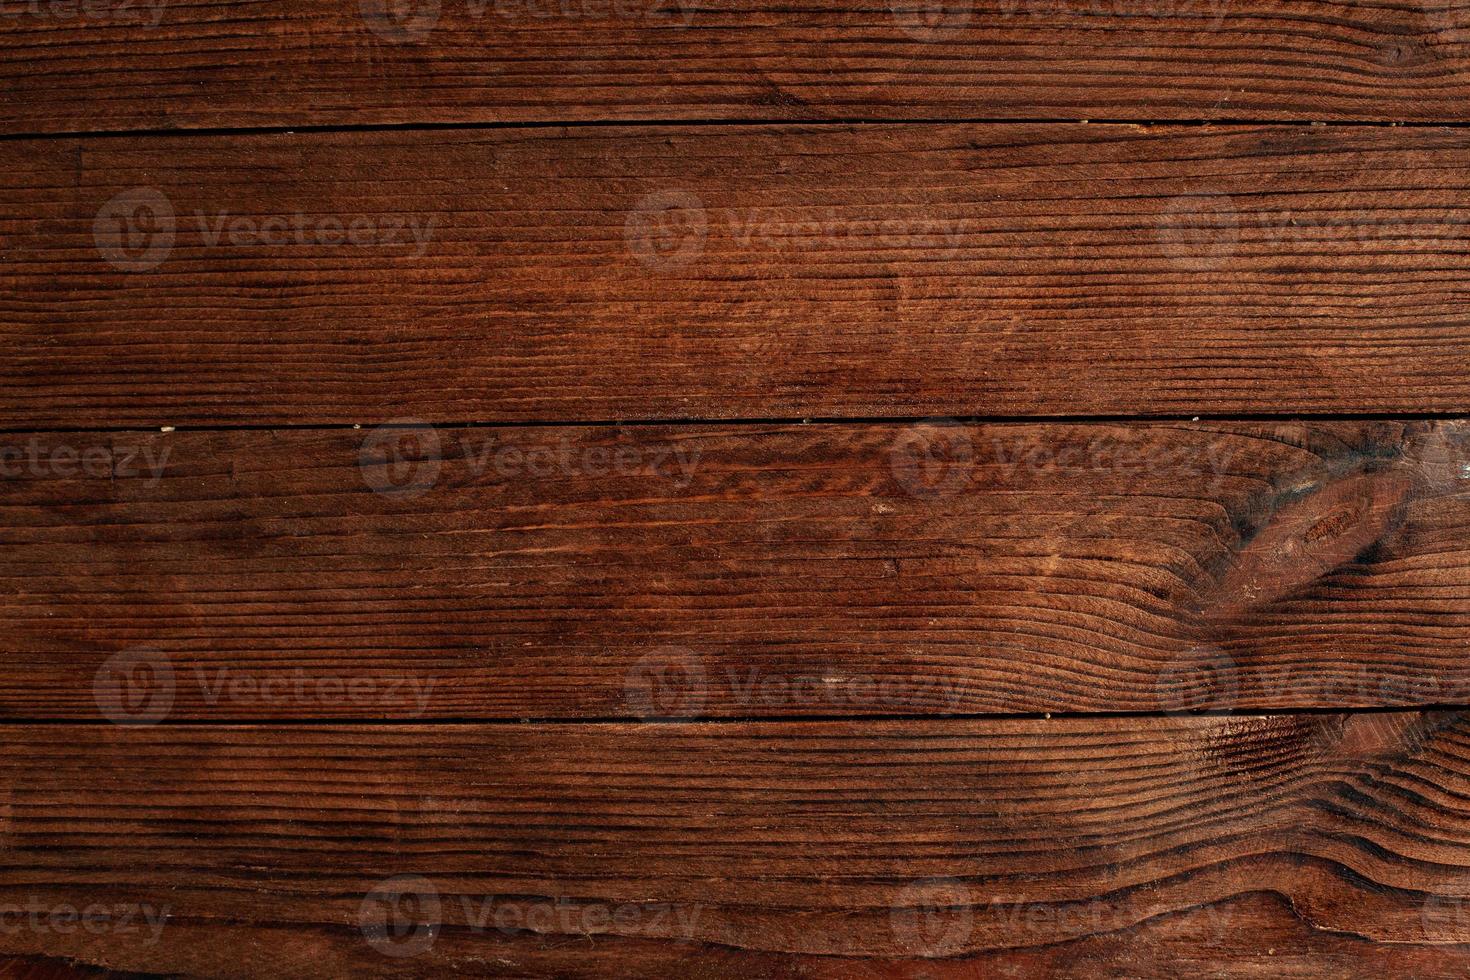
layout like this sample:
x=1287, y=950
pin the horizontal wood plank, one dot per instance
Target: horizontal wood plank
x=691, y=571
x=599, y=850
x=87, y=65
x=601, y=274
x=1264, y=940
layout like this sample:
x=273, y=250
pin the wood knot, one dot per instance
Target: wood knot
x=1402, y=51
x=1306, y=538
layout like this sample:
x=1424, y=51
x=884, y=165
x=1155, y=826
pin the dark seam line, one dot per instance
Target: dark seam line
x=733, y=122
x=794, y=420
x=739, y=720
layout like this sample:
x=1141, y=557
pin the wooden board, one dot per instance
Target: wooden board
x=1264, y=939
x=560, y=556
x=525, y=850
x=82, y=65
x=599, y=274
x=734, y=571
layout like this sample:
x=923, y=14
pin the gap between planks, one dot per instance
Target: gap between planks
x=733, y=421
x=653, y=122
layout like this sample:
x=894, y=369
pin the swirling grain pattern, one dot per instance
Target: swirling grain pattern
x=504, y=848
x=717, y=571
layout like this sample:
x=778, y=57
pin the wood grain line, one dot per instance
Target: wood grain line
x=714, y=273
x=745, y=571
x=168, y=64
x=530, y=848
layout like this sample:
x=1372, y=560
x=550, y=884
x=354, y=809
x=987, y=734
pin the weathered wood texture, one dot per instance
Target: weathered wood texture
x=538, y=850
x=688, y=571
x=55, y=968
x=1264, y=939
x=715, y=273
x=113, y=64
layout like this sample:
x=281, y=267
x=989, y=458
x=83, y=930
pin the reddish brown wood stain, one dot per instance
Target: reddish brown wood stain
x=148, y=64
x=732, y=571
x=561, y=558
x=956, y=839
x=1310, y=537
x=714, y=272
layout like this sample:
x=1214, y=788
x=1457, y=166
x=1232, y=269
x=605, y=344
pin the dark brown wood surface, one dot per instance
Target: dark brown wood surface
x=1264, y=939
x=86, y=65
x=601, y=274
x=481, y=492
x=686, y=571
x=532, y=850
